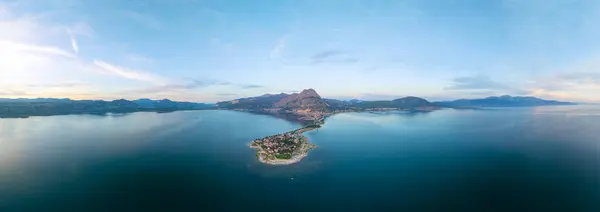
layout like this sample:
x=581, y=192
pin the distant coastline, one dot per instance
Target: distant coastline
x=24, y=108
x=306, y=107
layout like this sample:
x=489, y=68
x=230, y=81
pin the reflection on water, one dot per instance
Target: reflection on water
x=580, y=110
x=502, y=159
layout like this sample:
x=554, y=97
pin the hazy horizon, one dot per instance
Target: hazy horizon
x=210, y=51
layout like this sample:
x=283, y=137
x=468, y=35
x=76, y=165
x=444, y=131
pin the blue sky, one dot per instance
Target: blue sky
x=219, y=50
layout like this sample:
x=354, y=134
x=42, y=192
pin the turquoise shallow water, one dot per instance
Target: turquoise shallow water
x=510, y=159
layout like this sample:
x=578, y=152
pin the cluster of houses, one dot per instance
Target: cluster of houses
x=276, y=144
x=311, y=115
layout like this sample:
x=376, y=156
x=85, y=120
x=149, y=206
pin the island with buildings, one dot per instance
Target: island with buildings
x=284, y=149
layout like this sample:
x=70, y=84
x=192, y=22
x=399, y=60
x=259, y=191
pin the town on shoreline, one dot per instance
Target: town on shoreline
x=284, y=149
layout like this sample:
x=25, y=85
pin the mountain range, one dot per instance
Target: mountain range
x=308, y=99
x=501, y=101
x=307, y=104
x=50, y=106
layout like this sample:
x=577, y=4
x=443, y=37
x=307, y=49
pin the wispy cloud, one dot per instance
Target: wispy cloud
x=326, y=54
x=128, y=73
x=370, y=68
x=250, y=86
x=476, y=82
x=139, y=58
x=3, y=11
x=564, y=81
x=144, y=19
x=578, y=81
x=12, y=93
x=190, y=85
x=68, y=84
x=169, y=88
x=279, y=47
x=333, y=56
x=31, y=67
x=222, y=45
x=341, y=60
x=483, y=93
x=367, y=96
x=226, y=94
x=186, y=86
x=377, y=96
x=34, y=48
x=236, y=85
x=573, y=86
x=74, y=45
x=80, y=28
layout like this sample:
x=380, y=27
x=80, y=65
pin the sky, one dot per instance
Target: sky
x=209, y=51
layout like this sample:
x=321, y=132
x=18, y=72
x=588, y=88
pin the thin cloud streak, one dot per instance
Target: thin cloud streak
x=35, y=48
x=74, y=45
x=277, y=50
x=12, y=93
x=575, y=86
x=59, y=85
x=332, y=56
x=168, y=88
x=226, y=94
x=139, y=58
x=192, y=84
x=251, y=86
x=128, y=73
x=475, y=82
x=81, y=28
x=144, y=19
x=326, y=54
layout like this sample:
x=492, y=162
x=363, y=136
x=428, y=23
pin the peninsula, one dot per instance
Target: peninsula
x=284, y=149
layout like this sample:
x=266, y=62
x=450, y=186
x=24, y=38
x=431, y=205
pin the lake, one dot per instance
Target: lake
x=500, y=159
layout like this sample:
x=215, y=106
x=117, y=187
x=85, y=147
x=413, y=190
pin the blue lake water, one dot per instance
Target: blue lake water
x=510, y=159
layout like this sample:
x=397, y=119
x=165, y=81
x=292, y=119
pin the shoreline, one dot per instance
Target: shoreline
x=306, y=146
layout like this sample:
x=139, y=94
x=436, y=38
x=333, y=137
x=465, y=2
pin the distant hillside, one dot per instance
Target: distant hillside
x=410, y=102
x=501, y=101
x=49, y=106
x=259, y=102
x=166, y=104
x=339, y=104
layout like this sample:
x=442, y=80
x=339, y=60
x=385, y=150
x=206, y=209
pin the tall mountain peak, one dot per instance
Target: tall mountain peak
x=309, y=93
x=307, y=99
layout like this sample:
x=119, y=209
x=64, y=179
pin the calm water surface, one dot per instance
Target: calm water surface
x=512, y=159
